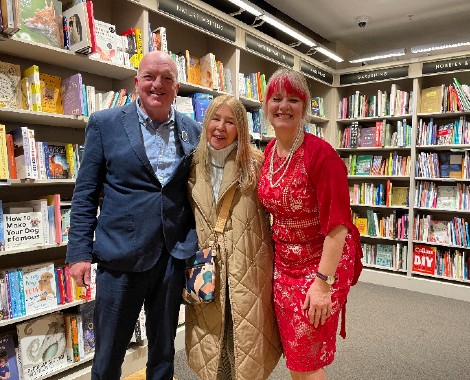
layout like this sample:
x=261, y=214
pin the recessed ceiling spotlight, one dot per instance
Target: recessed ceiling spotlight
x=362, y=21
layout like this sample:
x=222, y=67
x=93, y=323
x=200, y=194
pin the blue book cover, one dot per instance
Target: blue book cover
x=14, y=293
x=8, y=363
x=201, y=102
x=22, y=302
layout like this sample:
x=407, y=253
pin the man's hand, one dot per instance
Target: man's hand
x=81, y=272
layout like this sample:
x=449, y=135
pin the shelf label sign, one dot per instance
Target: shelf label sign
x=315, y=72
x=446, y=65
x=374, y=75
x=424, y=259
x=270, y=51
x=198, y=18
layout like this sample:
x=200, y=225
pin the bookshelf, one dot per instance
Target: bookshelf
x=244, y=50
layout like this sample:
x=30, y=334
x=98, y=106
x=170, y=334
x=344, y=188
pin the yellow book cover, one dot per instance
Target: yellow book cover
x=361, y=224
x=4, y=172
x=32, y=73
x=400, y=196
x=431, y=99
x=139, y=46
x=70, y=160
x=193, y=68
x=51, y=93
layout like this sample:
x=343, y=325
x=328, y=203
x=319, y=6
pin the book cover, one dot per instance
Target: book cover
x=446, y=197
x=10, y=86
x=42, y=346
x=438, y=232
x=39, y=287
x=400, y=196
x=424, y=259
x=51, y=93
x=32, y=73
x=11, y=156
x=23, y=230
x=22, y=153
x=58, y=165
x=363, y=164
x=4, y=293
x=106, y=43
x=384, y=255
x=79, y=32
x=86, y=311
x=4, y=171
x=201, y=102
x=8, y=363
x=431, y=100
x=361, y=224
x=65, y=214
x=72, y=96
x=41, y=22
x=193, y=69
x=206, y=65
x=159, y=41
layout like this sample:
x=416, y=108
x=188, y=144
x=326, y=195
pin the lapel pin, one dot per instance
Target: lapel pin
x=184, y=136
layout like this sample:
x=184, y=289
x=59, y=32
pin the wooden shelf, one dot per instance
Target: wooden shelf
x=46, y=118
x=32, y=249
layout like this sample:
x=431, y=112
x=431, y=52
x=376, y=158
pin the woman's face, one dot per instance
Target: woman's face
x=222, y=128
x=285, y=110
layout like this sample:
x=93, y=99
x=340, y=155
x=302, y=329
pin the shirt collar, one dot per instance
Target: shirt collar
x=154, y=124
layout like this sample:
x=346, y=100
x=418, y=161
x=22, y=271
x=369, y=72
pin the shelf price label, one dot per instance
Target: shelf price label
x=198, y=18
x=424, y=259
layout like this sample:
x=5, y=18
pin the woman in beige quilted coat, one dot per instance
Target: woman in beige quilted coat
x=236, y=336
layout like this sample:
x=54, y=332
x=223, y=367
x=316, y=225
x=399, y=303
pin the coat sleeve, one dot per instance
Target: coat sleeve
x=86, y=196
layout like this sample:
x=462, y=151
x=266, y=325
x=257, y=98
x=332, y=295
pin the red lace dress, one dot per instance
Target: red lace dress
x=296, y=207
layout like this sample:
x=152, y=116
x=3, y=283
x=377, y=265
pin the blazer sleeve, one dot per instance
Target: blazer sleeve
x=86, y=195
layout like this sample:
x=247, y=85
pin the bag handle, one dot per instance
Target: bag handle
x=224, y=210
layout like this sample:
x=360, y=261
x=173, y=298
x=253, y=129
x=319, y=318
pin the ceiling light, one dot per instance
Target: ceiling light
x=247, y=7
x=431, y=47
x=387, y=54
x=287, y=30
x=329, y=54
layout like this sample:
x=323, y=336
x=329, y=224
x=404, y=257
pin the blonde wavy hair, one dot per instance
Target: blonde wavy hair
x=291, y=82
x=248, y=158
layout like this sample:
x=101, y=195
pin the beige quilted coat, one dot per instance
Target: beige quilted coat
x=248, y=264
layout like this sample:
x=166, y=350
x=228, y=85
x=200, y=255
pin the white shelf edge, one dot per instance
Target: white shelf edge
x=32, y=249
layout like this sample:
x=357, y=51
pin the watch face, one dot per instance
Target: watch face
x=330, y=280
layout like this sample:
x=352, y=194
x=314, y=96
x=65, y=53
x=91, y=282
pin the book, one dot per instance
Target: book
x=58, y=165
x=431, y=99
x=32, y=73
x=86, y=311
x=361, y=224
x=41, y=22
x=424, y=259
x=39, y=287
x=8, y=363
x=65, y=217
x=51, y=93
x=384, y=255
x=72, y=97
x=438, y=232
x=79, y=31
x=4, y=171
x=193, y=69
x=10, y=86
x=399, y=196
x=106, y=43
x=11, y=156
x=41, y=344
x=23, y=230
x=446, y=197
x=363, y=164
x=159, y=41
x=209, y=76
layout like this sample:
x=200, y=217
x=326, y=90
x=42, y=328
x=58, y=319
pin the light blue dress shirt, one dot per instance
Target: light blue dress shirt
x=161, y=143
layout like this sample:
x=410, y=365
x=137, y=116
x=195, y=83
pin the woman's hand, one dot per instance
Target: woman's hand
x=317, y=306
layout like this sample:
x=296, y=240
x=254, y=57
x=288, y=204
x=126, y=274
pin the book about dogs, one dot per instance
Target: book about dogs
x=39, y=287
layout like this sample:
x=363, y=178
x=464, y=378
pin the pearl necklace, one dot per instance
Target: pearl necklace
x=284, y=165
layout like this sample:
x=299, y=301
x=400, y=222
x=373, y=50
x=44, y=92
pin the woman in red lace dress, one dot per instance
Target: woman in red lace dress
x=304, y=186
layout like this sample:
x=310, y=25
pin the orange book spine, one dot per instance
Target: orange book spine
x=11, y=157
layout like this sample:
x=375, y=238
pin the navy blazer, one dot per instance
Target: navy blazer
x=138, y=215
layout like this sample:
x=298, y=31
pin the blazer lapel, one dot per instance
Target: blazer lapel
x=130, y=121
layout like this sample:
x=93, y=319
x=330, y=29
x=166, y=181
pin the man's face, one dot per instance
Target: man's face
x=156, y=84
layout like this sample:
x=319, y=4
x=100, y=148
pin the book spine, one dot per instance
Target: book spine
x=4, y=309
x=139, y=46
x=22, y=300
x=4, y=172
x=70, y=160
x=92, y=26
x=14, y=293
x=35, y=88
x=65, y=25
x=76, y=353
x=11, y=156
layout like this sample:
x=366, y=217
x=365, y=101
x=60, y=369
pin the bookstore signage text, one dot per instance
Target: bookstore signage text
x=374, y=75
x=315, y=72
x=198, y=18
x=447, y=65
x=270, y=51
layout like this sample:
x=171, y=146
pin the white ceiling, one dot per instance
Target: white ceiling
x=393, y=24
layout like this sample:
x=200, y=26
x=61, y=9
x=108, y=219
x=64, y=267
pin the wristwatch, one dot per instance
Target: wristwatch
x=330, y=280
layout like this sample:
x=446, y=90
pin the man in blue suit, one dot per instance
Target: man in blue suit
x=137, y=158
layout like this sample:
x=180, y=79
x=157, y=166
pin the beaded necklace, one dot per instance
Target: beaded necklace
x=285, y=164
